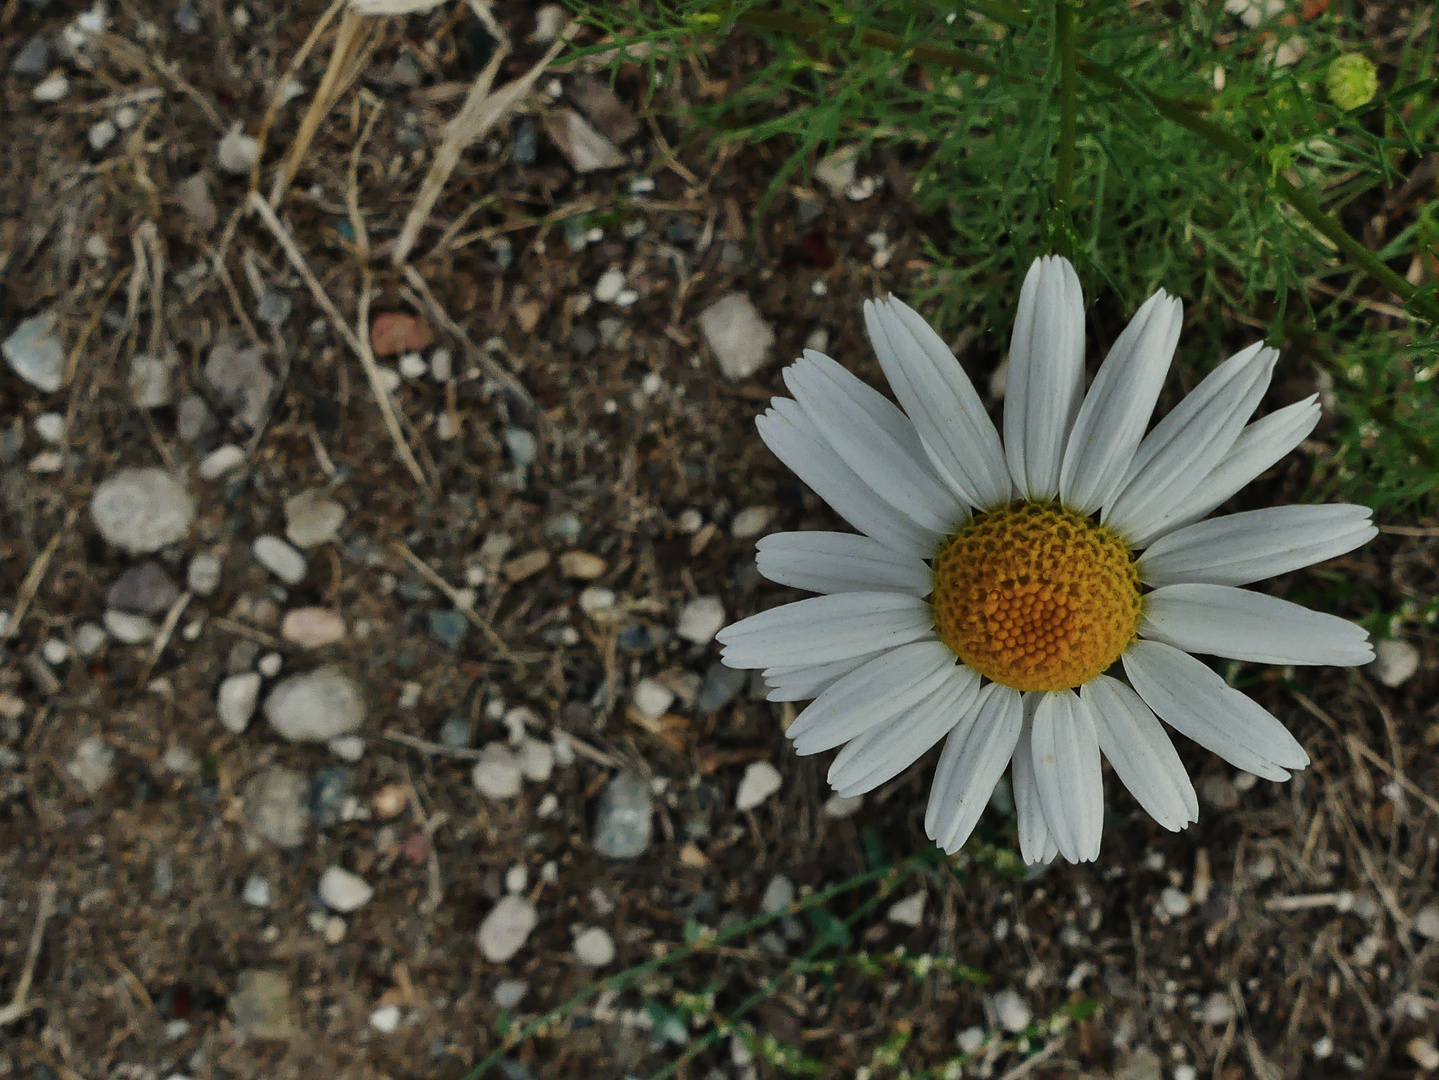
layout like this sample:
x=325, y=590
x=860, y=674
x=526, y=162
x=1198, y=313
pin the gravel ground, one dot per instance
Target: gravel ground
x=358, y=699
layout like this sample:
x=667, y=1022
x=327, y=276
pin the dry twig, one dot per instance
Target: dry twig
x=358, y=343
x=19, y=1003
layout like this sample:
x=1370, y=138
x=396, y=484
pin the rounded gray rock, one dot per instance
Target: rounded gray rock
x=277, y=806
x=142, y=510
x=316, y=706
x=623, y=822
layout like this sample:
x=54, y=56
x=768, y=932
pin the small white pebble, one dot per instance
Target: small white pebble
x=517, y=878
x=385, y=1019
x=1012, y=1012
x=344, y=891
x=257, y=891
x=270, y=664
x=760, y=781
x=51, y=89
x=102, y=133
x=909, y=911
x=55, y=652
x=838, y=807
x=594, y=947
x=1174, y=902
x=750, y=522
x=50, y=426
x=609, y=285
x=651, y=698
x=413, y=366
x=549, y=806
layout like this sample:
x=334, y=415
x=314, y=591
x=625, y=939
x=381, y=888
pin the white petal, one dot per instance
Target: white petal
x=805, y=681
x=831, y=562
x=1190, y=441
x=883, y=752
x=1197, y=703
x=1046, y=376
x=1141, y=752
x=1258, y=544
x=1064, y=748
x=1117, y=409
x=1220, y=620
x=822, y=629
x=974, y=758
x=1258, y=447
x=789, y=432
x=876, y=440
x=1036, y=844
x=880, y=690
x=939, y=398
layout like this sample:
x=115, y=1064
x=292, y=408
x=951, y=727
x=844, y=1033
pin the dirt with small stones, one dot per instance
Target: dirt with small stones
x=1290, y=933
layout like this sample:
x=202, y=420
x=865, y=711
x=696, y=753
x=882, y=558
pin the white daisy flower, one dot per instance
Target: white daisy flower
x=997, y=583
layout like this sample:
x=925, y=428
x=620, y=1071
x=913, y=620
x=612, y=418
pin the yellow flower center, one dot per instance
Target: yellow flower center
x=1035, y=596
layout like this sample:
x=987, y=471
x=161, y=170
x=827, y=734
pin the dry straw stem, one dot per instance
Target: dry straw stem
x=464, y=608
x=480, y=112
x=359, y=343
x=424, y=298
x=45, y=907
x=355, y=39
x=36, y=574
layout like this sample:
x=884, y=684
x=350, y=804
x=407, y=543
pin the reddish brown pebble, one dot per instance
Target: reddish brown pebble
x=395, y=332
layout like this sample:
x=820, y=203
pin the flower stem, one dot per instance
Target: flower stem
x=1068, y=103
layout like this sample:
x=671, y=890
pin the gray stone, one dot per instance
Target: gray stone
x=522, y=445
x=1395, y=662
x=594, y=947
x=312, y=520
x=277, y=806
x=507, y=928
x=344, y=891
x=35, y=352
x=236, y=700
x=510, y=992
x=240, y=380
x=701, y=619
x=128, y=629
x=90, y=638
x=778, y=895
x=316, y=706
x=93, y=765
x=260, y=1005
x=143, y=590
x=149, y=382
x=623, y=818
x=760, y=781
x=720, y=687
x=256, y=892
x=142, y=510
x=280, y=559
x=196, y=202
x=1012, y=1011
x=238, y=151
x=203, y=574
x=1141, y=1063
x=737, y=336
x=497, y=774
x=192, y=418
x=1426, y=922
x=33, y=59
x=1218, y=1009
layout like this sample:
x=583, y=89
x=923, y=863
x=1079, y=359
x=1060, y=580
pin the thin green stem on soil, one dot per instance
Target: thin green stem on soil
x=625, y=978
x=1068, y=104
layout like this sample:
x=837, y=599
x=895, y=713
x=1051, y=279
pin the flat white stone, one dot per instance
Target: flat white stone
x=221, y=460
x=497, y=774
x=506, y=928
x=737, y=336
x=312, y=520
x=237, y=151
x=142, y=510
x=343, y=891
x=203, y=574
x=701, y=619
x=651, y=698
x=128, y=629
x=536, y=759
x=236, y=700
x=909, y=911
x=1012, y=1012
x=1395, y=662
x=750, y=522
x=93, y=764
x=385, y=1019
x=609, y=285
x=316, y=706
x=280, y=558
x=760, y=781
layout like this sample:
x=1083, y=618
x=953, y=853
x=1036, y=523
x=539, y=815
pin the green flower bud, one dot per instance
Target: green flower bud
x=1352, y=81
